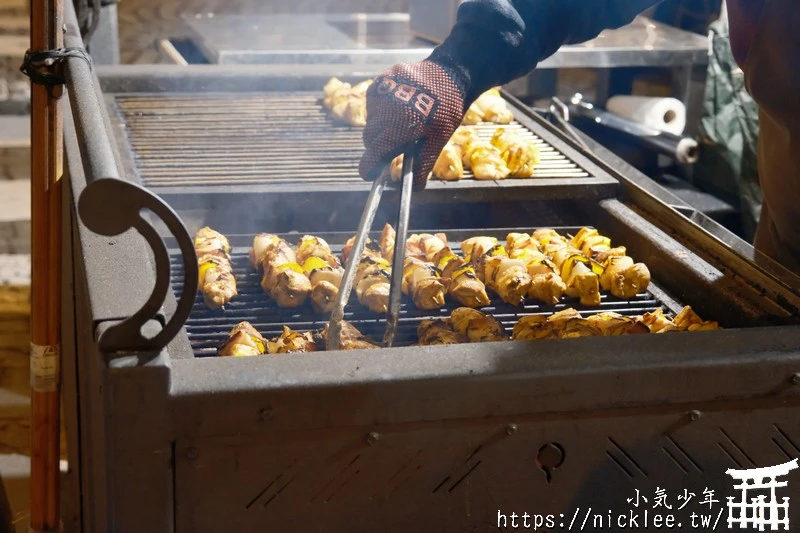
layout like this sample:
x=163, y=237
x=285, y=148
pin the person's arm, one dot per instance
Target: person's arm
x=496, y=41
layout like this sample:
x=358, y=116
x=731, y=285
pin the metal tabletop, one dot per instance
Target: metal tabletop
x=385, y=39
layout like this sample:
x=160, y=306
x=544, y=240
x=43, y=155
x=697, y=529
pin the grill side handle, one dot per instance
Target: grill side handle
x=110, y=206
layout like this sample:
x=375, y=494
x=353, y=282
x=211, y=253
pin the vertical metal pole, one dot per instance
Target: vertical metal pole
x=46, y=171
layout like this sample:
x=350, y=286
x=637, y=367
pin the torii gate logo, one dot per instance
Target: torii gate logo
x=758, y=511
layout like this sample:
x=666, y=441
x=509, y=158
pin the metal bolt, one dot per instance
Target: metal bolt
x=192, y=454
x=511, y=429
x=796, y=379
x=266, y=414
x=112, y=243
x=373, y=438
x=694, y=415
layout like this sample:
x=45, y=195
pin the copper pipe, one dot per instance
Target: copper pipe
x=46, y=172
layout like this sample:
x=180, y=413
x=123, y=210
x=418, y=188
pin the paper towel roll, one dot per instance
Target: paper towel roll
x=666, y=114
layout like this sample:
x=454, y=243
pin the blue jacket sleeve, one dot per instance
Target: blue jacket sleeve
x=496, y=41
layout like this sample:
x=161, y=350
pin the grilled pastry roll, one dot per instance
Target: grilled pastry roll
x=658, y=323
x=485, y=161
x=215, y=281
x=624, y=278
x=546, y=283
x=283, y=279
x=688, y=320
x=350, y=339
x=370, y=248
x=323, y=270
x=579, y=273
x=507, y=277
x=488, y=107
x=613, y=324
x=373, y=283
x=292, y=342
x=243, y=341
x=352, y=110
x=438, y=332
x=477, y=326
x=421, y=281
x=448, y=166
x=388, y=236
x=464, y=287
x=520, y=155
x=621, y=276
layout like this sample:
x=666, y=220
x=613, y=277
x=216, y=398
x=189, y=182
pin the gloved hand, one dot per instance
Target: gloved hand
x=417, y=105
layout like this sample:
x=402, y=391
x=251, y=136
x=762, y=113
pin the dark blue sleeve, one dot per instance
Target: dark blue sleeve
x=496, y=41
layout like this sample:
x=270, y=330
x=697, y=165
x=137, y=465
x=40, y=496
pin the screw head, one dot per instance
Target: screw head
x=192, y=454
x=266, y=414
x=511, y=429
x=796, y=379
x=694, y=415
x=373, y=438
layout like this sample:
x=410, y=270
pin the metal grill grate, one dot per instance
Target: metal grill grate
x=276, y=138
x=207, y=328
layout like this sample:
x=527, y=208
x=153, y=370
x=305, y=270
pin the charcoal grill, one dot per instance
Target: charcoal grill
x=165, y=437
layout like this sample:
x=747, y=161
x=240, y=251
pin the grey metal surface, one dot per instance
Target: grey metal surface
x=385, y=39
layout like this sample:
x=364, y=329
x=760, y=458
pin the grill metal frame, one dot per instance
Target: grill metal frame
x=148, y=427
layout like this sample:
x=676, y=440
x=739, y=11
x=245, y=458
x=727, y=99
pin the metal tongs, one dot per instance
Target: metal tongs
x=364, y=227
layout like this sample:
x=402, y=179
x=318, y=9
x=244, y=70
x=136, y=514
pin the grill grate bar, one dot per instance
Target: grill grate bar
x=207, y=329
x=277, y=138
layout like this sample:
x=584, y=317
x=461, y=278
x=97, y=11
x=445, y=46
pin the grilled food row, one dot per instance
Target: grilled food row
x=541, y=266
x=348, y=103
x=467, y=325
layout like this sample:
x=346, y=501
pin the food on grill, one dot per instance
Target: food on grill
x=421, y=281
x=546, y=283
x=477, y=326
x=505, y=276
x=448, y=166
x=373, y=282
x=243, y=341
x=580, y=275
x=613, y=324
x=215, y=280
x=686, y=320
x=346, y=103
x=438, y=332
x=488, y=107
x=570, y=324
x=388, y=236
x=349, y=339
x=283, y=278
x=425, y=246
x=323, y=270
x=292, y=342
x=370, y=248
x=465, y=287
x=520, y=154
x=485, y=161
x=621, y=276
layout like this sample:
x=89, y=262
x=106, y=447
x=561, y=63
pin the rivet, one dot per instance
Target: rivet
x=511, y=429
x=266, y=414
x=373, y=438
x=694, y=415
x=796, y=379
x=192, y=454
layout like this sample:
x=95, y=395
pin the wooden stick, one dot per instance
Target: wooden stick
x=46, y=172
